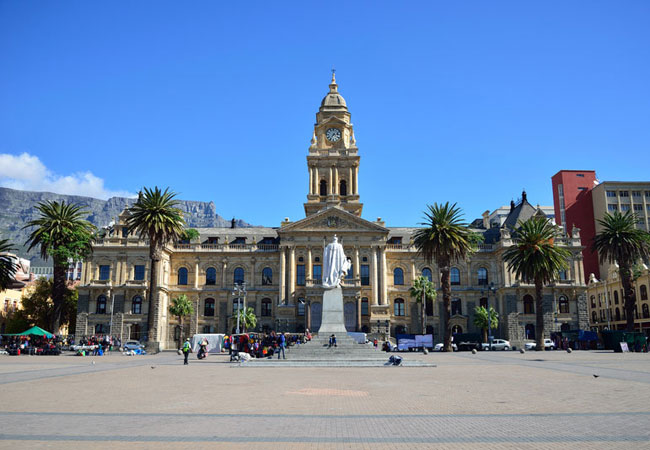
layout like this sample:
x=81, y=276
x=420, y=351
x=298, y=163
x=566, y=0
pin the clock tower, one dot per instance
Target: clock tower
x=333, y=159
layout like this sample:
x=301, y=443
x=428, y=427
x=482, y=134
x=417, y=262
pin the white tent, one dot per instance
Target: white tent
x=215, y=342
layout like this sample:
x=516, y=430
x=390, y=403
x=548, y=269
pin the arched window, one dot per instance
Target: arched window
x=208, y=307
x=323, y=188
x=482, y=276
x=646, y=311
x=564, y=304
x=399, y=307
x=266, y=307
x=238, y=275
x=426, y=273
x=454, y=276
x=617, y=312
x=593, y=301
x=398, y=277
x=594, y=316
x=343, y=188
x=529, y=305
x=456, y=329
x=456, y=307
x=530, y=331
x=182, y=276
x=267, y=276
x=644, y=292
x=101, y=305
x=211, y=276
x=616, y=297
x=136, y=305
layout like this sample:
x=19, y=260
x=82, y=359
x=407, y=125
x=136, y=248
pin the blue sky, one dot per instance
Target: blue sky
x=462, y=101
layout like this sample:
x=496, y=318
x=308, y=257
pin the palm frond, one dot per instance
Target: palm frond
x=156, y=216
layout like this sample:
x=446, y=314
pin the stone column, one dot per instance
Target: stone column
x=316, y=181
x=283, y=274
x=196, y=273
x=292, y=272
x=384, y=284
x=336, y=180
x=123, y=271
x=358, y=314
x=308, y=314
x=350, y=191
x=331, y=181
x=311, y=180
x=309, y=263
x=356, y=180
x=223, y=273
x=357, y=268
x=413, y=273
x=251, y=280
x=373, y=280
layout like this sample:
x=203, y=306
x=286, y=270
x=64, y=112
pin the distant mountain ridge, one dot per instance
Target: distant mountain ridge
x=17, y=208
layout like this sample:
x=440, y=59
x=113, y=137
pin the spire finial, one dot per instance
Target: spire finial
x=333, y=75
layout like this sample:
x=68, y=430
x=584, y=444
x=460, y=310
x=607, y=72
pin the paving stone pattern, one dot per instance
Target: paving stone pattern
x=502, y=400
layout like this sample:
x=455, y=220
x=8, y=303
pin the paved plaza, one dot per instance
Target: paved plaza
x=489, y=400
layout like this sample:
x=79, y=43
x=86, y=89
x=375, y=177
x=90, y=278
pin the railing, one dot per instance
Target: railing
x=399, y=247
x=227, y=247
x=485, y=247
x=120, y=241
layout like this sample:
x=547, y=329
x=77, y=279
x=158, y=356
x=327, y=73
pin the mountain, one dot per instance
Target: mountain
x=18, y=207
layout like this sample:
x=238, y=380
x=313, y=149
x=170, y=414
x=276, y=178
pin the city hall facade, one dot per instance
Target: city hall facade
x=281, y=267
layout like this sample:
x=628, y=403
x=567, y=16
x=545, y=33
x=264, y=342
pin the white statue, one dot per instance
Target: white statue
x=335, y=264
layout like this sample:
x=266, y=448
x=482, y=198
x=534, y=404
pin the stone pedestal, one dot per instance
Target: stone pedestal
x=332, y=319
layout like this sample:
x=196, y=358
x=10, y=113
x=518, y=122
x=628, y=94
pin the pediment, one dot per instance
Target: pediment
x=332, y=220
x=332, y=120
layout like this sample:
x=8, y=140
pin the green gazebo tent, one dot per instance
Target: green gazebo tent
x=34, y=331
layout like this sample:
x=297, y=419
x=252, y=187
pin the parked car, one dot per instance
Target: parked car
x=468, y=341
x=548, y=345
x=438, y=347
x=132, y=345
x=80, y=347
x=498, y=344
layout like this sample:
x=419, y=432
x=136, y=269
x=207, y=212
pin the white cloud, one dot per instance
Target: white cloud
x=28, y=173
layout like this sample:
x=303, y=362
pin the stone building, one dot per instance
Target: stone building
x=282, y=266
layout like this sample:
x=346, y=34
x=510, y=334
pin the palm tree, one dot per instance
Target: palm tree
x=180, y=307
x=7, y=265
x=446, y=239
x=155, y=217
x=247, y=319
x=62, y=233
x=535, y=257
x=621, y=242
x=422, y=291
x=481, y=320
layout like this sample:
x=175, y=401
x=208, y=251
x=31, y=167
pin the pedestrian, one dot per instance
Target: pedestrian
x=333, y=340
x=186, y=350
x=282, y=341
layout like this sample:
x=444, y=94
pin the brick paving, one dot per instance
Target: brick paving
x=501, y=400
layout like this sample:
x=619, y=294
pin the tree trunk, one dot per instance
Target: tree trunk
x=539, y=310
x=485, y=335
x=58, y=294
x=446, y=301
x=154, y=254
x=180, y=335
x=424, y=314
x=629, y=297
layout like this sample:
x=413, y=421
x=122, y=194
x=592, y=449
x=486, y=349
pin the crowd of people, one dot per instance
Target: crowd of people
x=31, y=345
x=264, y=345
x=97, y=344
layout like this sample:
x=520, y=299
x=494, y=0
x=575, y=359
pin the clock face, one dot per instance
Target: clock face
x=333, y=134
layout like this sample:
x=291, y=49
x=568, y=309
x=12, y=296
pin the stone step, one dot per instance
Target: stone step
x=329, y=363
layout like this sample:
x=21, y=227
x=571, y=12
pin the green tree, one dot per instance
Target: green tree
x=422, y=291
x=445, y=238
x=63, y=234
x=180, y=307
x=481, y=320
x=190, y=234
x=38, y=306
x=155, y=217
x=8, y=266
x=247, y=319
x=535, y=257
x=621, y=242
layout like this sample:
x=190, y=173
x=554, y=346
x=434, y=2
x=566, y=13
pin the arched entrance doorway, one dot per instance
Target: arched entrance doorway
x=350, y=314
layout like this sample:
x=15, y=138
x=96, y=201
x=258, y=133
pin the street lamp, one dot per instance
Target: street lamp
x=239, y=290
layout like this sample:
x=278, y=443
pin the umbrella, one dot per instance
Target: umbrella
x=34, y=331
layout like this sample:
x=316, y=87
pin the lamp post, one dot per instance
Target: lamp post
x=239, y=289
x=489, y=316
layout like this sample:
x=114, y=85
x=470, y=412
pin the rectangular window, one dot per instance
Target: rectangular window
x=364, y=307
x=138, y=273
x=638, y=207
x=560, y=190
x=611, y=193
x=300, y=275
x=581, y=175
x=399, y=307
x=624, y=193
x=636, y=193
x=582, y=188
x=239, y=241
x=317, y=274
x=301, y=307
x=365, y=275
x=266, y=308
x=612, y=207
x=104, y=273
x=208, y=308
x=350, y=273
x=625, y=207
x=647, y=194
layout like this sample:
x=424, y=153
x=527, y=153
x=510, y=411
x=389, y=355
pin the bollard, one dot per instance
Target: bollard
x=522, y=351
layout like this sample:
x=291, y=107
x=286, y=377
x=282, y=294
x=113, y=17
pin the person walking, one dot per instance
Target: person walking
x=186, y=350
x=282, y=342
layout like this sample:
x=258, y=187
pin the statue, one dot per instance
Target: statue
x=335, y=264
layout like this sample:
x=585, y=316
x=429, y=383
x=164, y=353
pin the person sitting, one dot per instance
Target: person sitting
x=333, y=340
